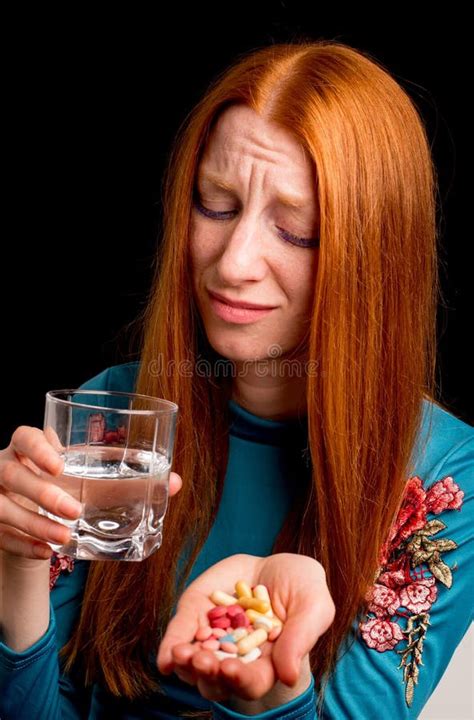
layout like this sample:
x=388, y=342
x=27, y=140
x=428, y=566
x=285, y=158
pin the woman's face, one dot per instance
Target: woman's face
x=246, y=244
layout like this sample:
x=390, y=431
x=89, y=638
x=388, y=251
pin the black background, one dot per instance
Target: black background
x=91, y=106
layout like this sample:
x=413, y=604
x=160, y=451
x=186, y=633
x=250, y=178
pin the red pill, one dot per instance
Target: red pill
x=234, y=610
x=240, y=620
x=220, y=622
x=217, y=612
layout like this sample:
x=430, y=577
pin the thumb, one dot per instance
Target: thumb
x=175, y=483
x=299, y=635
x=181, y=629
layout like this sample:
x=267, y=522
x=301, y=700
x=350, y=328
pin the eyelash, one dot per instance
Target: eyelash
x=284, y=234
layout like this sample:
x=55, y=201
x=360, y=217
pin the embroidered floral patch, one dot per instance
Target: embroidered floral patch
x=402, y=583
x=59, y=562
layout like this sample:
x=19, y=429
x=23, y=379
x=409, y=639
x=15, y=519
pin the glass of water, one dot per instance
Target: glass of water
x=117, y=448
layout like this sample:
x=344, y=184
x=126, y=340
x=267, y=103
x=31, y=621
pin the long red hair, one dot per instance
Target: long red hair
x=372, y=334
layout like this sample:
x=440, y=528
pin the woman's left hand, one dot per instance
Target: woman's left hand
x=300, y=598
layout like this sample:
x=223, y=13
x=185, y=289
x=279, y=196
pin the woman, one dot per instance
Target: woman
x=312, y=452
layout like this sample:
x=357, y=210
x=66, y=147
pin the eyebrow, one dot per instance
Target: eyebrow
x=292, y=201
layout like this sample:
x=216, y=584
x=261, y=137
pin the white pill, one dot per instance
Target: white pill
x=221, y=655
x=264, y=623
x=221, y=598
x=240, y=633
x=250, y=656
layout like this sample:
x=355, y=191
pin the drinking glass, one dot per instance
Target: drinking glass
x=117, y=448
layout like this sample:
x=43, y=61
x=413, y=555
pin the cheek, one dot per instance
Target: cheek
x=202, y=249
x=301, y=285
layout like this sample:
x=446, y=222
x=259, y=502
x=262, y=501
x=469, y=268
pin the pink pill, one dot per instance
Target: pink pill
x=220, y=622
x=218, y=632
x=203, y=633
x=228, y=647
x=210, y=645
x=217, y=612
x=234, y=610
x=274, y=633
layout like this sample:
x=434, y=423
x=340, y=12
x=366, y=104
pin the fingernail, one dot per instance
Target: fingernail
x=59, y=535
x=56, y=463
x=69, y=506
x=41, y=551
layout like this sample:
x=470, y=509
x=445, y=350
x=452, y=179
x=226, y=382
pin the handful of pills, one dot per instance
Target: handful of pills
x=239, y=624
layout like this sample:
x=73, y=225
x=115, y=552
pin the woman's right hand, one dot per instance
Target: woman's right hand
x=26, y=467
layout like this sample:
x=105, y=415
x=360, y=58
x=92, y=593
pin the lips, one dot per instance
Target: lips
x=239, y=303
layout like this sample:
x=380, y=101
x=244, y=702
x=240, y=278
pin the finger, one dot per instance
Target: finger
x=19, y=479
x=249, y=681
x=182, y=655
x=300, y=634
x=31, y=523
x=16, y=543
x=206, y=668
x=181, y=629
x=213, y=690
x=53, y=438
x=32, y=443
x=175, y=484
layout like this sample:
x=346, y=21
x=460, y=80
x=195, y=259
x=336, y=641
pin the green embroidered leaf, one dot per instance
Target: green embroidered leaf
x=420, y=557
x=445, y=545
x=416, y=673
x=432, y=527
x=414, y=544
x=441, y=572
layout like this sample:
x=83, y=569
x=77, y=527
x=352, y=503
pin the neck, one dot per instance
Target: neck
x=271, y=397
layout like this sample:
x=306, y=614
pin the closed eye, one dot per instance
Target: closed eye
x=229, y=214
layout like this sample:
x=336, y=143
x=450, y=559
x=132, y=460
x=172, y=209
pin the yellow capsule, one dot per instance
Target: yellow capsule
x=243, y=589
x=253, y=615
x=261, y=592
x=222, y=598
x=258, y=637
x=254, y=604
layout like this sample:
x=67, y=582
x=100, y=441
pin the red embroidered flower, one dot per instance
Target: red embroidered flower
x=96, y=427
x=411, y=517
x=393, y=579
x=59, y=562
x=401, y=588
x=444, y=495
x=381, y=635
x=383, y=601
x=419, y=596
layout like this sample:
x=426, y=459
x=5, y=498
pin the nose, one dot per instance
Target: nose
x=243, y=255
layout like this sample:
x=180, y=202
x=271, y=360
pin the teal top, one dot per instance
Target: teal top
x=267, y=460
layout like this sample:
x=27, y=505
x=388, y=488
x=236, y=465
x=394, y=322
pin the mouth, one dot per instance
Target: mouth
x=239, y=303
x=237, y=314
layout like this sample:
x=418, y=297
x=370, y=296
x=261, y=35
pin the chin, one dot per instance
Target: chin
x=240, y=349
